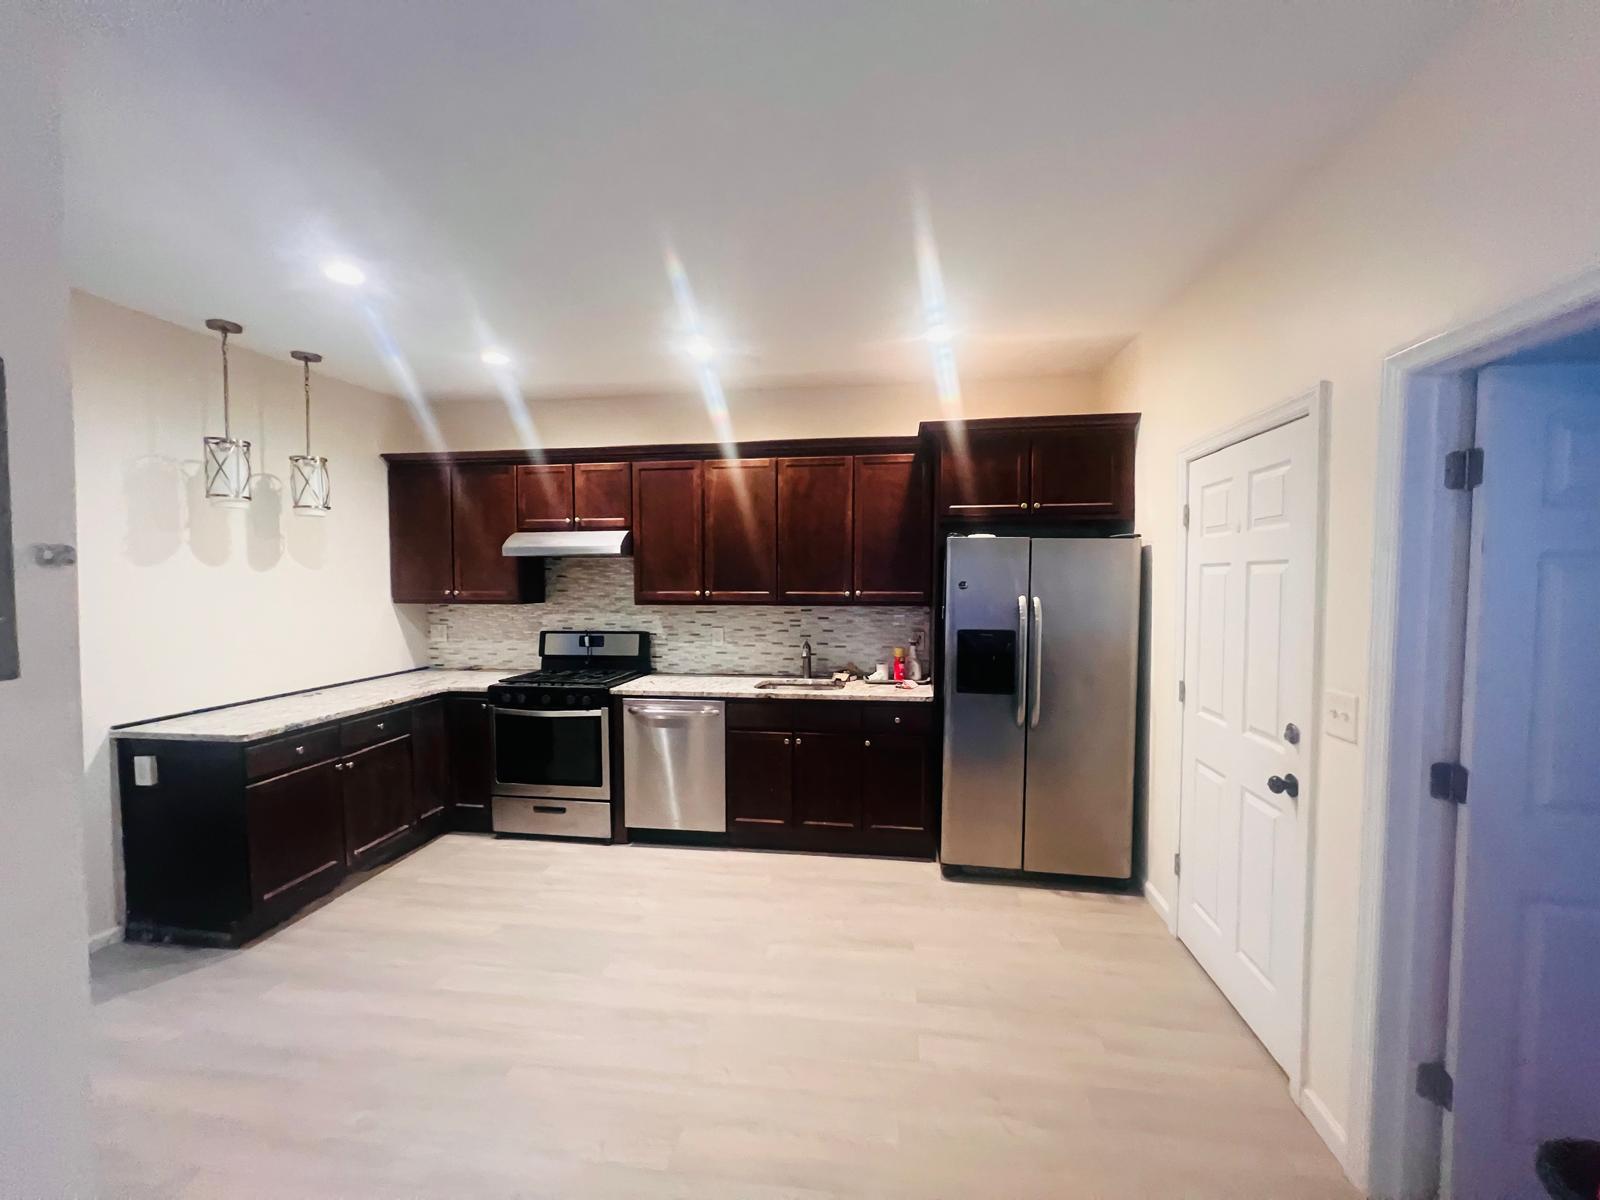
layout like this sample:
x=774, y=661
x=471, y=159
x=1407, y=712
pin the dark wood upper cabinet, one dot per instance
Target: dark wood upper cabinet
x=983, y=475
x=602, y=495
x=741, y=535
x=893, y=541
x=1082, y=472
x=667, y=529
x=483, y=509
x=816, y=514
x=544, y=497
x=421, y=561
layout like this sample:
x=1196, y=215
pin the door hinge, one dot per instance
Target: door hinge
x=1435, y=1085
x=1448, y=781
x=1177, y=865
x=1186, y=516
x=1463, y=469
x=1182, y=692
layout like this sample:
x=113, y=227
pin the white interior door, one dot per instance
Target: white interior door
x=1248, y=640
x=1523, y=1046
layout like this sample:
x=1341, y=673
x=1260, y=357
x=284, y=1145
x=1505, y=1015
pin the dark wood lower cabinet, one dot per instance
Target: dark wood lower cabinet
x=471, y=762
x=296, y=824
x=832, y=776
x=232, y=838
x=379, y=806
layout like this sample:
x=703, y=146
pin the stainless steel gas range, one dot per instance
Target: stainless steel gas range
x=553, y=735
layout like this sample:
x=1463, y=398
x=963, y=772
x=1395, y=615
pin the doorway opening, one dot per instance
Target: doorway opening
x=1480, y=920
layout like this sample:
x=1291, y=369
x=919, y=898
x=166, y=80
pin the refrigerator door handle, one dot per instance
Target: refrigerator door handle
x=1038, y=660
x=1022, y=660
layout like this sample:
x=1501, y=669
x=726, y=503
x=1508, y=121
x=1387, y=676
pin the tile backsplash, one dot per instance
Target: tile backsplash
x=597, y=593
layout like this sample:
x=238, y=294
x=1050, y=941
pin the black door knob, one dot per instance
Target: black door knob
x=1278, y=784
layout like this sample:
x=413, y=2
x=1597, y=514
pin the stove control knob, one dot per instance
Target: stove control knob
x=588, y=700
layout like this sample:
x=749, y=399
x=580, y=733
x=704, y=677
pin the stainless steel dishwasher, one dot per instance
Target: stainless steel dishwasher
x=672, y=757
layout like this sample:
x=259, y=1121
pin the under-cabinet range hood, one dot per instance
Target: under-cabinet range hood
x=576, y=543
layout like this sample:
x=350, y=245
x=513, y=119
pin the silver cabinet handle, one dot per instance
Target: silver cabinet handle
x=1022, y=660
x=797, y=741
x=381, y=724
x=1038, y=658
x=866, y=741
x=299, y=749
x=785, y=741
x=897, y=720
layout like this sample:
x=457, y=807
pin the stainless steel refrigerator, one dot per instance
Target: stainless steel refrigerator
x=1041, y=647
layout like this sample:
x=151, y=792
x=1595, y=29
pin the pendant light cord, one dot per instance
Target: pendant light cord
x=227, y=423
x=307, y=365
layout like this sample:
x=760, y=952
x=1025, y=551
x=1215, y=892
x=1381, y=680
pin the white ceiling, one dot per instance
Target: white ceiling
x=514, y=172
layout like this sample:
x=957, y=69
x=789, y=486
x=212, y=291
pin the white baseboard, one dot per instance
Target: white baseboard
x=1159, y=903
x=104, y=938
x=1328, y=1129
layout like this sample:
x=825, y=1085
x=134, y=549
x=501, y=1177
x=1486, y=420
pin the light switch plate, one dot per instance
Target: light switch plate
x=1341, y=715
x=144, y=770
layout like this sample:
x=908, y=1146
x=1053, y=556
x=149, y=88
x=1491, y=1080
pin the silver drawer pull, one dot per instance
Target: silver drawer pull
x=550, y=808
x=381, y=724
x=299, y=749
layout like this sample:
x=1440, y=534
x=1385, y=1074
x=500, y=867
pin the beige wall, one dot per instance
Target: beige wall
x=186, y=605
x=851, y=410
x=1479, y=186
x=44, y=985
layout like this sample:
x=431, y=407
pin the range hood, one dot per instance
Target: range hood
x=576, y=543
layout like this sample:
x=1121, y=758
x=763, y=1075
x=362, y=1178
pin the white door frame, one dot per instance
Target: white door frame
x=1311, y=405
x=1392, y=1150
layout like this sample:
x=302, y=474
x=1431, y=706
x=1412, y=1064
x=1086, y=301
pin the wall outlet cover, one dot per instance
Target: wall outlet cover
x=144, y=770
x=1341, y=715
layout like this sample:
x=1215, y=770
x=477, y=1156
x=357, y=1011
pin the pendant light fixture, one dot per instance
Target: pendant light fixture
x=227, y=458
x=308, y=474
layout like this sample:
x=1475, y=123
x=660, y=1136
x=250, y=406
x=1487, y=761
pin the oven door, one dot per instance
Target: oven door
x=566, y=755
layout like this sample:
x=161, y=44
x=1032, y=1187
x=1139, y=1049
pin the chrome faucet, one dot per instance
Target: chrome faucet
x=805, y=657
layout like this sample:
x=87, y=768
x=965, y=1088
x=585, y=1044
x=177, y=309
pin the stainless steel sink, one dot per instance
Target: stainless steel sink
x=802, y=685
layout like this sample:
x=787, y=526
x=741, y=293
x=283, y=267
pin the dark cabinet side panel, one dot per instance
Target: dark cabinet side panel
x=815, y=520
x=667, y=566
x=420, y=555
x=484, y=502
x=296, y=831
x=544, y=497
x=893, y=533
x=471, y=762
x=602, y=495
x=741, y=536
x=430, y=762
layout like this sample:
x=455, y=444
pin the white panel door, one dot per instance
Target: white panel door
x=1525, y=1012
x=1248, y=633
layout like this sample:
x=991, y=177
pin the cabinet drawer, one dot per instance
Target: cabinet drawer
x=814, y=716
x=552, y=818
x=890, y=716
x=379, y=727
x=290, y=753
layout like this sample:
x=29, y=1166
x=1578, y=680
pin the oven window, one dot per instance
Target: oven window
x=549, y=751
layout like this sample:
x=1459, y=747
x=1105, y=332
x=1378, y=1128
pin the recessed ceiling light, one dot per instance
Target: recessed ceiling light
x=700, y=349
x=344, y=271
x=495, y=358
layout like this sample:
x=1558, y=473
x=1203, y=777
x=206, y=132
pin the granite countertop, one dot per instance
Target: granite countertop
x=270, y=718
x=743, y=687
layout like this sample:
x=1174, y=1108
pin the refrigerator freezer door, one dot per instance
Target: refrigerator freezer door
x=985, y=736
x=1082, y=682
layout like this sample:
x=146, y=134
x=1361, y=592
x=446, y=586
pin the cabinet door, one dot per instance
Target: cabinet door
x=544, y=497
x=815, y=518
x=827, y=780
x=667, y=533
x=893, y=533
x=484, y=509
x=741, y=533
x=430, y=761
x=420, y=556
x=378, y=800
x=758, y=774
x=471, y=761
x=1084, y=472
x=602, y=495
x=987, y=479
x=894, y=782
x=296, y=830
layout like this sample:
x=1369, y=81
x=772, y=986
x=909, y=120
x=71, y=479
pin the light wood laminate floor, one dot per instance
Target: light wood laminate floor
x=514, y=1018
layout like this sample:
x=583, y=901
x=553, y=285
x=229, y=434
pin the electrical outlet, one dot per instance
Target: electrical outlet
x=144, y=770
x=1341, y=714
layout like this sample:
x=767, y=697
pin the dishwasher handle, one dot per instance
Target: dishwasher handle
x=642, y=710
